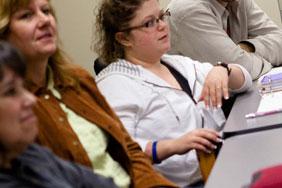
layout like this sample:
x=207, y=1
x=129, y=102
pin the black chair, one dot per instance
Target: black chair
x=99, y=65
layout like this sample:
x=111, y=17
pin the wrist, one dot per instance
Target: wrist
x=226, y=66
x=155, y=153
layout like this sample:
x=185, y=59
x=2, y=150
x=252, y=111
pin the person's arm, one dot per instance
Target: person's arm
x=200, y=37
x=199, y=139
x=264, y=34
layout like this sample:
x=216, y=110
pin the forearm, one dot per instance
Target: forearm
x=143, y=174
x=236, y=77
x=164, y=149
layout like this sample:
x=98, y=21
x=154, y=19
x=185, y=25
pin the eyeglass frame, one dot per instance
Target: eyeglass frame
x=147, y=24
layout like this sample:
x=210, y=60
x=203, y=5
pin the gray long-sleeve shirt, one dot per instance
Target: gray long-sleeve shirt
x=38, y=167
x=197, y=31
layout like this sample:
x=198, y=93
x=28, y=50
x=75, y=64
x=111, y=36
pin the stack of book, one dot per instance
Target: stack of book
x=270, y=83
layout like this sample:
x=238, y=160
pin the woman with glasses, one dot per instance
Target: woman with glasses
x=74, y=119
x=169, y=104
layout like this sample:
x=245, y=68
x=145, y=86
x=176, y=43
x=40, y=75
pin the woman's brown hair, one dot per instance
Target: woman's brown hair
x=113, y=16
x=59, y=61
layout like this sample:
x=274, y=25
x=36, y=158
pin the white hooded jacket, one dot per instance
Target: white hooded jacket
x=152, y=110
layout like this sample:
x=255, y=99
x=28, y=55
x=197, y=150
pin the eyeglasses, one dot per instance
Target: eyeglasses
x=152, y=23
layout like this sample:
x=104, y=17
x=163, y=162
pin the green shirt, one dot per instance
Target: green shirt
x=95, y=142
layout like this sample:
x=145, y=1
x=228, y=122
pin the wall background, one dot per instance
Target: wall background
x=76, y=25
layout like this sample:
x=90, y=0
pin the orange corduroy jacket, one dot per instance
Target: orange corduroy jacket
x=86, y=101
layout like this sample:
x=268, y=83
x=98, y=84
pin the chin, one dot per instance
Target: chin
x=31, y=136
x=30, y=130
x=166, y=49
x=48, y=51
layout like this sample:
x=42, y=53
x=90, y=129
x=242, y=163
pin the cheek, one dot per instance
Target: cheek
x=53, y=25
x=7, y=117
x=18, y=38
x=9, y=134
x=15, y=135
x=10, y=128
x=146, y=40
x=18, y=30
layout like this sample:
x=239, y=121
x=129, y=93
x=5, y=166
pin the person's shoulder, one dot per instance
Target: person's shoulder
x=120, y=69
x=35, y=154
x=188, y=6
x=79, y=74
x=76, y=70
x=179, y=62
x=174, y=58
x=37, y=149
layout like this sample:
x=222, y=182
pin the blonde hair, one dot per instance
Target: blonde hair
x=59, y=61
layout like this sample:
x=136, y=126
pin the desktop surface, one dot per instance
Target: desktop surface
x=246, y=104
x=243, y=155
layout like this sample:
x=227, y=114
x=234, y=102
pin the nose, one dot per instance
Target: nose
x=29, y=98
x=162, y=24
x=43, y=19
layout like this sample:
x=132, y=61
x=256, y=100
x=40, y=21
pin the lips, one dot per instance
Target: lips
x=45, y=36
x=29, y=118
x=163, y=37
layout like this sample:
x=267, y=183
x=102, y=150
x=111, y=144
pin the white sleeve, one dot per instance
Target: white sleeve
x=248, y=81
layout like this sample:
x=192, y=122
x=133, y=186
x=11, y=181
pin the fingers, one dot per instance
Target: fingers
x=205, y=96
x=208, y=134
x=203, y=145
x=225, y=89
x=212, y=95
x=216, y=95
x=206, y=140
x=200, y=139
x=215, y=88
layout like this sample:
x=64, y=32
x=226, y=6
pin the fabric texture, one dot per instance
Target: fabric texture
x=198, y=31
x=150, y=109
x=85, y=100
x=38, y=167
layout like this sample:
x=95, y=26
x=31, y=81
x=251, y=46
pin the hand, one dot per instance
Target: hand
x=215, y=87
x=199, y=139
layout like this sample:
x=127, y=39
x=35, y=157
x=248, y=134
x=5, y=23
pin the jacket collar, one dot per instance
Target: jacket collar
x=231, y=7
x=52, y=80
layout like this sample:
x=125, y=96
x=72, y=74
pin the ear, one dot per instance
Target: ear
x=123, y=39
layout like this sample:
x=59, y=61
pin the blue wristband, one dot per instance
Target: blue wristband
x=154, y=153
